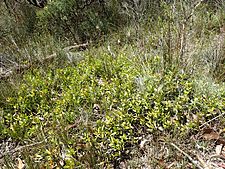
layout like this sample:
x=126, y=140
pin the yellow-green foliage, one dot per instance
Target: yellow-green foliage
x=131, y=103
x=91, y=108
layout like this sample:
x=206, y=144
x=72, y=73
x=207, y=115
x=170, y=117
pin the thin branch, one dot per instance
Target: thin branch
x=212, y=120
x=19, y=68
x=205, y=165
x=19, y=149
x=183, y=29
x=194, y=9
x=75, y=46
x=188, y=156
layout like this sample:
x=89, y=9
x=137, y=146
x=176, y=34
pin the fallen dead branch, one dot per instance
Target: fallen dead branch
x=188, y=156
x=20, y=148
x=20, y=68
x=204, y=164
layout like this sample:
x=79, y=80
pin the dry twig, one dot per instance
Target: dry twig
x=212, y=120
x=19, y=149
x=20, y=68
x=188, y=156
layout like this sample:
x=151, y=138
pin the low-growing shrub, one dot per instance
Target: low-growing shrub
x=101, y=108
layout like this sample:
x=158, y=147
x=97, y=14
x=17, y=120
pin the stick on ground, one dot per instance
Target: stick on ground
x=188, y=156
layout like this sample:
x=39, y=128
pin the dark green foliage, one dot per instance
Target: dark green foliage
x=79, y=20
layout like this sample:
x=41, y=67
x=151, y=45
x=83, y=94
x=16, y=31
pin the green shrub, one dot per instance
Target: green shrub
x=131, y=105
x=79, y=20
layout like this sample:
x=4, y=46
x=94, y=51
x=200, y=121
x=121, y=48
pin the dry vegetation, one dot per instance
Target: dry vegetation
x=112, y=84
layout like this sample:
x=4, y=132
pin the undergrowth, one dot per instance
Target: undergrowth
x=98, y=109
x=152, y=68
